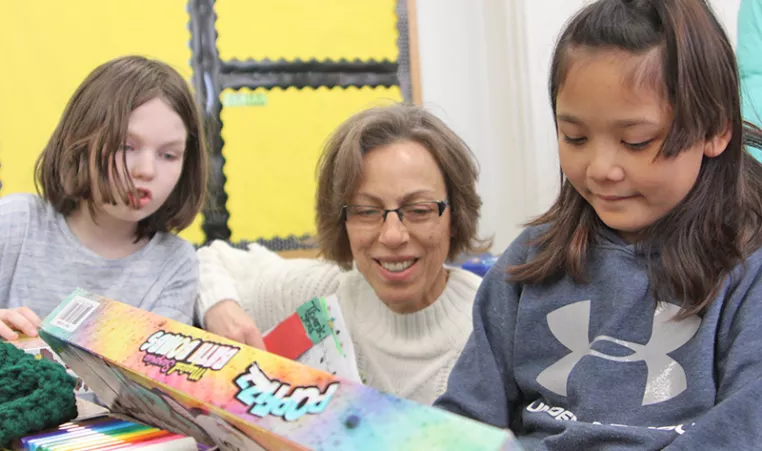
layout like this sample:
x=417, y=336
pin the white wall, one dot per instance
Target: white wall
x=467, y=78
x=727, y=11
x=484, y=70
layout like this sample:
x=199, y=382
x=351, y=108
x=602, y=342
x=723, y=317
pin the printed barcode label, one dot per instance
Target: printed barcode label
x=74, y=313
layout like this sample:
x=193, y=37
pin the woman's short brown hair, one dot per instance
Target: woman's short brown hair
x=340, y=169
x=81, y=153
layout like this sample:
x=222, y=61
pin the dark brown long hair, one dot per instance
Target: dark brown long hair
x=81, y=154
x=692, y=249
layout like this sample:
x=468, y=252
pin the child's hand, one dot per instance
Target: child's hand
x=20, y=319
x=228, y=319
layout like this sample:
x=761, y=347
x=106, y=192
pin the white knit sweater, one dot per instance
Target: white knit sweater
x=407, y=355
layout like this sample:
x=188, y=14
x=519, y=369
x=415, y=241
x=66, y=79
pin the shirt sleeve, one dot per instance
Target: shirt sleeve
x=481, y=385
x=733, y=423
x=266, y=285
x=177, y=298
x=15, y=215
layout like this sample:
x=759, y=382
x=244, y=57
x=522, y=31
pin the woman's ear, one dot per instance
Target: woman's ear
x=714, y=146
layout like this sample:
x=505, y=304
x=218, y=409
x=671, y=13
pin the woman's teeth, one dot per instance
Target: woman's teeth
x=397, y=266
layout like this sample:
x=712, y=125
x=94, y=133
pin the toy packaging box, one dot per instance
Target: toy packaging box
x=316, y=335
x=222, y=393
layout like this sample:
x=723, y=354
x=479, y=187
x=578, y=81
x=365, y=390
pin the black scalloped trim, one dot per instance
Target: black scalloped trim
x=403, y=47
x=277, y=244
x=306, y=80
x=211, y=76
x=295, y=66
x=205, y=63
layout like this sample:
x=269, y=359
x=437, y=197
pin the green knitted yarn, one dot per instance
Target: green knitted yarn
x=34, y=394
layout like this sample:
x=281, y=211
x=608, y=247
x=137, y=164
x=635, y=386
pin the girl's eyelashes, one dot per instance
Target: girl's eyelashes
x=126, y=147
x=575, y=141
x=578, y=141
x=639, y=145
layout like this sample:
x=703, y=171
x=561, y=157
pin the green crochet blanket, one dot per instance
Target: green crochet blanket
x=34, y=394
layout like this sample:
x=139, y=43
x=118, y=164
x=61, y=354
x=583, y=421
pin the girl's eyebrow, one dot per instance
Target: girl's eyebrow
x=621, y=123
x=176, y=143
x=179, y=142
x=568, y=118
x=625, y=123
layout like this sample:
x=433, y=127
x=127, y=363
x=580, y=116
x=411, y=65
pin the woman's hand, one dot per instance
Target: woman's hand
x=228, y=319
x=15, y=320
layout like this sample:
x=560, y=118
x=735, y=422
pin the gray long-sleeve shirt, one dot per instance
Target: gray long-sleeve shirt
x=42, y=262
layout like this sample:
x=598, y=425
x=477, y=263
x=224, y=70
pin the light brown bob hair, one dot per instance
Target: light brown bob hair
x=81, y=154
x=340, y=168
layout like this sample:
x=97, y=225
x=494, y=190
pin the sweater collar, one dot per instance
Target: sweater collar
x=452, y=310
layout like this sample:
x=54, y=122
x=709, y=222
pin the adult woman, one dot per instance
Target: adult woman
x=396, y=199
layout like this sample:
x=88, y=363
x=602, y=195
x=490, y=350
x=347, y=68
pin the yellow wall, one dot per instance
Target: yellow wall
x=48, y=47
x=291, y=29
x=271, y=151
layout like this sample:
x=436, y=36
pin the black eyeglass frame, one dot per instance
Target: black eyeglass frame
x=441, y=206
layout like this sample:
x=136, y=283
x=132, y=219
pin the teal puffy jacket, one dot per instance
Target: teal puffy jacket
x=749, y=53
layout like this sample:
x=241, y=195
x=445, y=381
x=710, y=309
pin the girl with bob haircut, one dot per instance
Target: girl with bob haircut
x=125, y=168
x=396, y=200
x=629, y=317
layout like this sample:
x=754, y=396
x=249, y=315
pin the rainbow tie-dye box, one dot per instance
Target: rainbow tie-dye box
x=189, y=381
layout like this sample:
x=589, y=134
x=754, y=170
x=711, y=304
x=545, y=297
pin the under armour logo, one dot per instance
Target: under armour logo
x=666, y=378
